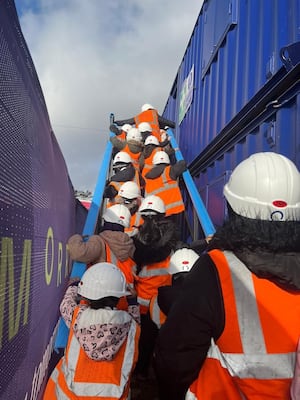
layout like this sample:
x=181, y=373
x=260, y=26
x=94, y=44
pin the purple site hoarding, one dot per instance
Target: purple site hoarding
x=38, y=213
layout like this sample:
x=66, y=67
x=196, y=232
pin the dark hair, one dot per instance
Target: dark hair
x=109, y=301
x=238, y=233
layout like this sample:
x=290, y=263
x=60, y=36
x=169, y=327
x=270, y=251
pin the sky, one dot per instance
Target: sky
x=96, y=57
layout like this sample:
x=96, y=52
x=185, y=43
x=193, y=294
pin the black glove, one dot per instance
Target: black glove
x=113, y=128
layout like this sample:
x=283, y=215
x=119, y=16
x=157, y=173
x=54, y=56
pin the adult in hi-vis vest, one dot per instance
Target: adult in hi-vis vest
x=124, y=171
x=102, y=346
x=161, y=181
x=149, y=114
x=132, y=145
x=151, y=147
x=237, y=321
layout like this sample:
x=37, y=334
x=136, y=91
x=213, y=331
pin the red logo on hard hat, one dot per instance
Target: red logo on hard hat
x=121, y=217
x=185, y=262
x=279, y=203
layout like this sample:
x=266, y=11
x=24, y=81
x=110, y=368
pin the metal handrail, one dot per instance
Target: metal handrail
x=199, y=207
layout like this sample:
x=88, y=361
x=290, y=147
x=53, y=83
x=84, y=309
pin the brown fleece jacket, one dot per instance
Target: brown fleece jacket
x=93, y=250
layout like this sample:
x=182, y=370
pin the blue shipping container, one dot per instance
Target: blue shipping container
x=237, y=90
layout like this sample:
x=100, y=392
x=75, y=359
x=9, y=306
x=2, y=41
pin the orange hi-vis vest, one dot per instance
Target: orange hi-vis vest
x=117, y=185
x=157, y=316
x=168, y=190
x=150, y=116
x=122, y=136
x=136, y=220
x=149, y=279
x=148, y=164
x=76, y=376
x=128, y=267
x=254, y=357
x=134, y=156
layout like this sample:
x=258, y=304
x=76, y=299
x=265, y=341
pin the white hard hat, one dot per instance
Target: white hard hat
x=134, y=134
x=129, y=190
x=144, y=127
x=102, y=280
x=265, y=186
x=122, y=157
x=161, y=157
x=182, y=260
x=146, y=107
x=151, y=140
x=152, y=205
x=117, y=214
x=126, y=127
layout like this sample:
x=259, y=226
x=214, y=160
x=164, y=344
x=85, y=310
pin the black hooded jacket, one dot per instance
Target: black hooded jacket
x=269, y=249
x=155, y=241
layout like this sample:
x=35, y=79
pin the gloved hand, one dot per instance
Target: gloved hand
x=113, y=128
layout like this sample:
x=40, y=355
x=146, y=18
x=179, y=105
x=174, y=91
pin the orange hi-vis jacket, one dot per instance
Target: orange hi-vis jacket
x=254, y=357
x=150, y=116
x=157, y=316
x=168, y=190
x=149, y=279
x=148, y=164
x=76, y=376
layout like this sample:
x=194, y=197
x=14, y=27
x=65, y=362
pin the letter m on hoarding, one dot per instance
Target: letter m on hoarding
x=8, y=294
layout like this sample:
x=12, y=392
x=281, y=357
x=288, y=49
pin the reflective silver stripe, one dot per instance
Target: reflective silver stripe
x=166, y=186
x=258, y=366
x=250, y=328
x=147, y=273
x=148, y=165
x=113, y=258
x=60, y=394
x=143, y=302
x=54, y=375
x=174, y=204
x=254, y=362
x=190, y=396
x=155, y=312
x=106, y=389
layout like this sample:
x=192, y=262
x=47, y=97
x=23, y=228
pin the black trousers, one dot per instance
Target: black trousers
x=147, y=341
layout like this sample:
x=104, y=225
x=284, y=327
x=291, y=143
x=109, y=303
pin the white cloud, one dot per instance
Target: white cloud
x=94, y=57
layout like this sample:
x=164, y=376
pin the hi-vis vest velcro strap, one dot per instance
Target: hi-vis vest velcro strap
x=254, y=362
x=105, y=389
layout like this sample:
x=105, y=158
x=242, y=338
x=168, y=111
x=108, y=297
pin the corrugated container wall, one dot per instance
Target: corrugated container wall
x=237, y=90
